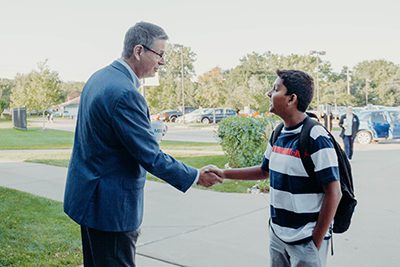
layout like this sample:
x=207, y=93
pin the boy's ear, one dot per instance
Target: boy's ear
x=293, y=99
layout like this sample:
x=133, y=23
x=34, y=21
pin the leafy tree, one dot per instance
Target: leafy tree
x=6, y=86
x=253, y=77
x=70, y=89
x=211, y=90
x=248, y=82
x=377, y=77
x=335, y=93
x=37, y=90
x=169, y=93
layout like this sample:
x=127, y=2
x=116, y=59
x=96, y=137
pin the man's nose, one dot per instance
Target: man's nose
x=161, y=61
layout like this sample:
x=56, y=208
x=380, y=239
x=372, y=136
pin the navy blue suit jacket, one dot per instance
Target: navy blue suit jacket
x=114, y=147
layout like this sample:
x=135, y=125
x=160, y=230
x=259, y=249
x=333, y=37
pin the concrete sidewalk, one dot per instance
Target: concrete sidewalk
x=206, y=228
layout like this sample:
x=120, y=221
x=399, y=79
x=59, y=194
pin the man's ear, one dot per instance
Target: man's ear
x=137, y=51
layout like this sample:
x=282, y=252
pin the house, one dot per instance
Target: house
x=70, y=108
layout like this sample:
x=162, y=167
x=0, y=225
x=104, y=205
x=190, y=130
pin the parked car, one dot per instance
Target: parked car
x=169, y=115
x=208, y=115
x=188, y=109
x=378, y=125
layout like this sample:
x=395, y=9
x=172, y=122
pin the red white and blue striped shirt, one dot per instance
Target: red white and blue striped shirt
x=296, y=198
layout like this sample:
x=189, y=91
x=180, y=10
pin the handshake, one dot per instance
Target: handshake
x=210, y=175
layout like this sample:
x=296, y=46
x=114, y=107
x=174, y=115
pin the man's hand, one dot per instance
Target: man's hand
x=215, y=169
x=209, y=175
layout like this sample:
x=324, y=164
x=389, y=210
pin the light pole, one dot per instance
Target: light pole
x=182, y=88
x=367, y=81
x=348, y=80
x=317, y=53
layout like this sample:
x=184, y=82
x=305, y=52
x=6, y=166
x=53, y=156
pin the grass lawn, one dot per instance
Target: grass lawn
x=31, y=155
x=5, y=123
x=34, y=138
x=195, y=161
x=34, y=231
x=199, y=146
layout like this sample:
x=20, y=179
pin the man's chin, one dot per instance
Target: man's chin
x=150, y=75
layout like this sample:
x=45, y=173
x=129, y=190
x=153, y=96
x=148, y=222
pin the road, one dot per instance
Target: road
x=176, y=132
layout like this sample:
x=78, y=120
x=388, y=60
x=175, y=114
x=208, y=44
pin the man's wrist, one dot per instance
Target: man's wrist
x=196, y=180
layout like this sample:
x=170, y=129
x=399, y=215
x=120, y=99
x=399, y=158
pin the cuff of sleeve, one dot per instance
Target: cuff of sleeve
x=197, y=178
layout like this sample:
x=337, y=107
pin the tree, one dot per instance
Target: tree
x=169, y=93
x=376, y=77
x=6, y=86
x=211, y=90
x=70, y=89
x=37, y=90
x=248, y=82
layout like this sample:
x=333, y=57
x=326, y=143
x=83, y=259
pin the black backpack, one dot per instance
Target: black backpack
x=348, y=202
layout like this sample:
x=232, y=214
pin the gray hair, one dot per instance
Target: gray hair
x=143, y=33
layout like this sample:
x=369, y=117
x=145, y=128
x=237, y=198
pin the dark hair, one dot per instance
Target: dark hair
x=299, y=83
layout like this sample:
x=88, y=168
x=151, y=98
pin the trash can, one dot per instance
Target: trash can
x=19, y=118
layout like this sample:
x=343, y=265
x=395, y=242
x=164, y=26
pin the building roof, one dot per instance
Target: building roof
x=71, y=102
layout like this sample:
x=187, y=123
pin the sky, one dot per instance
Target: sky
x=77, y=37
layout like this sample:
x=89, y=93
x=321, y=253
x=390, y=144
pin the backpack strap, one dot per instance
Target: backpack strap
x=277, y=131
x=304, y=143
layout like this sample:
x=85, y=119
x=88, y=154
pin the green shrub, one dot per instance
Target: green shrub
x=244, y=140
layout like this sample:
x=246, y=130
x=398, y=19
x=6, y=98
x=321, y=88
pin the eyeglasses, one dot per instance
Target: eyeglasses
x=161, y=55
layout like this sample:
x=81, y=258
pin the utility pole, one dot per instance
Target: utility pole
x=367, y=81
x=317, y=53
x=182, y=88
x=183, y=91
x=348, y=80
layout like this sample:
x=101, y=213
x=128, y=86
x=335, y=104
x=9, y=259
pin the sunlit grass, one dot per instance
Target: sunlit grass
x=34, y=231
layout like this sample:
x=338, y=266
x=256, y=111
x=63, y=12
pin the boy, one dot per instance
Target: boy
x=302, y=208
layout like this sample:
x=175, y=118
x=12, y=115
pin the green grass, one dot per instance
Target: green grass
x=181, y=145
x=231, y=186
x=29, y=155
x=34, y=231
x=34, y=138
x=5, y=123
x=219, y=161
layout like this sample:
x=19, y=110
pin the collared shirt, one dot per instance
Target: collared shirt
x=137, y=85
x=133, y=75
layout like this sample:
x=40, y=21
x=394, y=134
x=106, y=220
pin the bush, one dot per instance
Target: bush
x=244, y=140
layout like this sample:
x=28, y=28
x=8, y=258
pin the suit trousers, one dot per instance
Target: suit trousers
x=108, y=249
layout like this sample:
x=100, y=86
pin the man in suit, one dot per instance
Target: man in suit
x=350, y=124
x=114, y=147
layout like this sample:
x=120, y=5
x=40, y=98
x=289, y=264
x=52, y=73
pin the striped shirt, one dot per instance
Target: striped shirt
x=296, y=198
